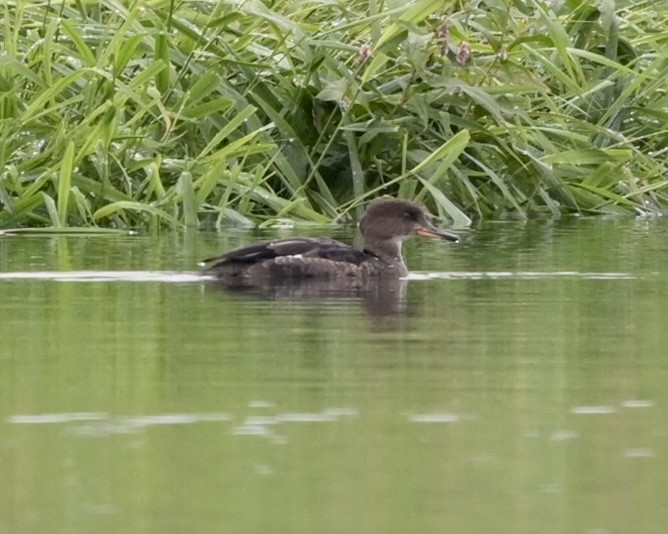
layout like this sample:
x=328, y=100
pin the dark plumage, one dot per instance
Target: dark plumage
x=385, y=225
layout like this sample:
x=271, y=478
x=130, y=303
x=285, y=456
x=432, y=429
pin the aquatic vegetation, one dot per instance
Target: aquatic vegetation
x=141, y=114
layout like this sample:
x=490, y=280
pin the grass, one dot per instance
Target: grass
x=132, y=114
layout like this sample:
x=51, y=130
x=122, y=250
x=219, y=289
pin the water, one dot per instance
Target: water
x=517, y=383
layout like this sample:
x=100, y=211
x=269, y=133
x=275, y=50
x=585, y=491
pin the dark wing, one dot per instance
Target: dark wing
x=299, y=252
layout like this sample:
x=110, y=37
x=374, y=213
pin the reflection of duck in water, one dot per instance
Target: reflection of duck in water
x=385, y=225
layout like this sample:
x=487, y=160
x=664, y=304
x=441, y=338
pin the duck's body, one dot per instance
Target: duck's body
x=385, y=225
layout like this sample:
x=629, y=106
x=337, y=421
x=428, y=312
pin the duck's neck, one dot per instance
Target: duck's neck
x=388, y=250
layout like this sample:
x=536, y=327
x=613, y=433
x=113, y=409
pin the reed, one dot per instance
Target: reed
x=141, y=114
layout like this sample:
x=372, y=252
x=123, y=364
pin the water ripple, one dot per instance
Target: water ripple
x=130, y=422
x=434, y=418
x=104, y=276
x=519, y=275
x=593, y=410
x=180, y=277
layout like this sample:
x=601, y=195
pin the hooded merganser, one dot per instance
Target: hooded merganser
x=385, y=225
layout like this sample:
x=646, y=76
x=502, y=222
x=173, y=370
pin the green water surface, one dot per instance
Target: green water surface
x=519, y=384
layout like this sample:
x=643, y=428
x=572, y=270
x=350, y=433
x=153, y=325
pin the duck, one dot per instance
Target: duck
x=386, y=224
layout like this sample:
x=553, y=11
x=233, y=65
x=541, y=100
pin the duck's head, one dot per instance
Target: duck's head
x=387, y=222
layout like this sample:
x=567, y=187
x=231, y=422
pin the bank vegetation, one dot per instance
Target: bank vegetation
x=205, y=113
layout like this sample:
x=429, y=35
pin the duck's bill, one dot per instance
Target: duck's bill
x=425, y=231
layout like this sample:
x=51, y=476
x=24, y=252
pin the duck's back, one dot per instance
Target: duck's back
x=292, y=258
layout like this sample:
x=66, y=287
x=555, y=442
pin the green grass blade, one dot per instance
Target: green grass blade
x=233, y=125
x=51, y=209
x=117, y=208
x=445, y=205
x=416, y=12
x=445, y=155
x=189, y=200
x=65, y=182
